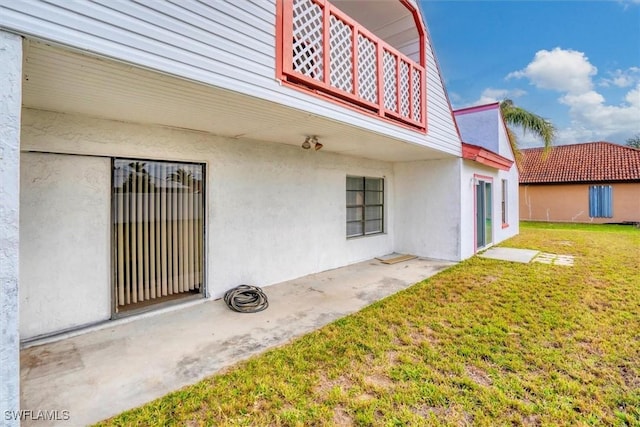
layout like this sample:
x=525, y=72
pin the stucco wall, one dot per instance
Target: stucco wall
x=10, y=104
x=468, y=219
x=570, y=202
x=275, y=212
x=428, y=208
x=512, y=227
x=64, y=229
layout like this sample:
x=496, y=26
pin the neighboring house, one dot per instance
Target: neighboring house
x=160, y=152
x=592, y=182
x=489, y=177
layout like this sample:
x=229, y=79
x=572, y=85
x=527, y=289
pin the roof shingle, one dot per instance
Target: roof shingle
x=587, y=162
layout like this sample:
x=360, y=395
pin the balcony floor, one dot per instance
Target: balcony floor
x=103, y=372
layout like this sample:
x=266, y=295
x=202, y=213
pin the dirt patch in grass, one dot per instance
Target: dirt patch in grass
x=479, y=376
x=393, y=357
x=631, y=379
x=378, y=381
x=325, y=385
x=365, y=397
x=531, y=421
x=430, y=336
x=341, y=418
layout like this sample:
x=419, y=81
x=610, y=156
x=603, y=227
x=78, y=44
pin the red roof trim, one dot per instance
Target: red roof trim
x=476, y=109
x=486, y=157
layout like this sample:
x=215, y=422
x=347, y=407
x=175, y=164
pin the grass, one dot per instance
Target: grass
x=486, y=342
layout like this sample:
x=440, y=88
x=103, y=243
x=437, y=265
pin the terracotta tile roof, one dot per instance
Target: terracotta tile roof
x=588, y=162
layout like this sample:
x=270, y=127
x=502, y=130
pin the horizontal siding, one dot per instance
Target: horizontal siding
x=196, y=36
x=215, y=42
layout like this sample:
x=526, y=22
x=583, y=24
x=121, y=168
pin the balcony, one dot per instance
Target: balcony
x=323, y=50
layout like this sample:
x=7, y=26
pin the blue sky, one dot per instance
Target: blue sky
x=576, y=63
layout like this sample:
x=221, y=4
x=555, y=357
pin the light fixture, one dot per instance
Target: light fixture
x=311, y=140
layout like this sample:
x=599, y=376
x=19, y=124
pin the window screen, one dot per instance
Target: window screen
x=365, y=206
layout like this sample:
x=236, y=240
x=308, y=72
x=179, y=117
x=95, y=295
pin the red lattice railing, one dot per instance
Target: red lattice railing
x=326, y=50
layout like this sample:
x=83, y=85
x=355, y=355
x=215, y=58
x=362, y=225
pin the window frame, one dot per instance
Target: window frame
x=599, y=195
x=364, y=207
x=504, y=203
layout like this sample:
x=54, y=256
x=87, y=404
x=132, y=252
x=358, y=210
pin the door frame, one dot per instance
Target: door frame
x=118, y=313
x=486, y=179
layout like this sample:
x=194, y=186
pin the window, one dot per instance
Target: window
x=158, y=231
x=365, y=206
x=505, y=219
x=600, y=201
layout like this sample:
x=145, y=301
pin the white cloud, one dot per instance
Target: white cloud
x=633, y=97
x=490, y=95
x=591, y=112
x=576, y=133
x=622, y=78
x=570, y=73
x=559, y=69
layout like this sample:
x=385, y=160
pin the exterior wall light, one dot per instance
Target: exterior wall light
x=311, y=140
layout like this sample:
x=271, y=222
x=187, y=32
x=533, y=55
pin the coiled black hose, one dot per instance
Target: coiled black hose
x=246, y=299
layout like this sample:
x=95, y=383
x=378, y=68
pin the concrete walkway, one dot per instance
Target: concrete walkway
x=510, y=254
x=102, y=373
x=526, y=256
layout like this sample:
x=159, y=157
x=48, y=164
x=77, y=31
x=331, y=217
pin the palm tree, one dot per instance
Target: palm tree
x=527, y=121
x=138, y=180
x=185, y=178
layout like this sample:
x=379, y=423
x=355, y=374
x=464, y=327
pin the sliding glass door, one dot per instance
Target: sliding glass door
x=484, y=220
x=158, y=232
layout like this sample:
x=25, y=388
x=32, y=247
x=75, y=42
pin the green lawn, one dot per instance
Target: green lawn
x=485, y=343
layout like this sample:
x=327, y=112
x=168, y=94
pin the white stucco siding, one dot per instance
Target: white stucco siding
x=467, y=208
x=427, y=208
x=513, y=205
x=226, y=44
x=279, y=213
x=513, y=185
x=10, y=112
x=65, y=250
x=468, y=214
x=274, y=211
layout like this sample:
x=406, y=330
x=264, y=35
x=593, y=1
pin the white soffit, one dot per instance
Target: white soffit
x=60, y=80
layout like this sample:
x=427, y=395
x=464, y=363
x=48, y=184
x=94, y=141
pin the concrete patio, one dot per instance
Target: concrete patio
x=105, y=371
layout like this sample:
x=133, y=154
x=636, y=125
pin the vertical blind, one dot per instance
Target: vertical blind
x=158, y=230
